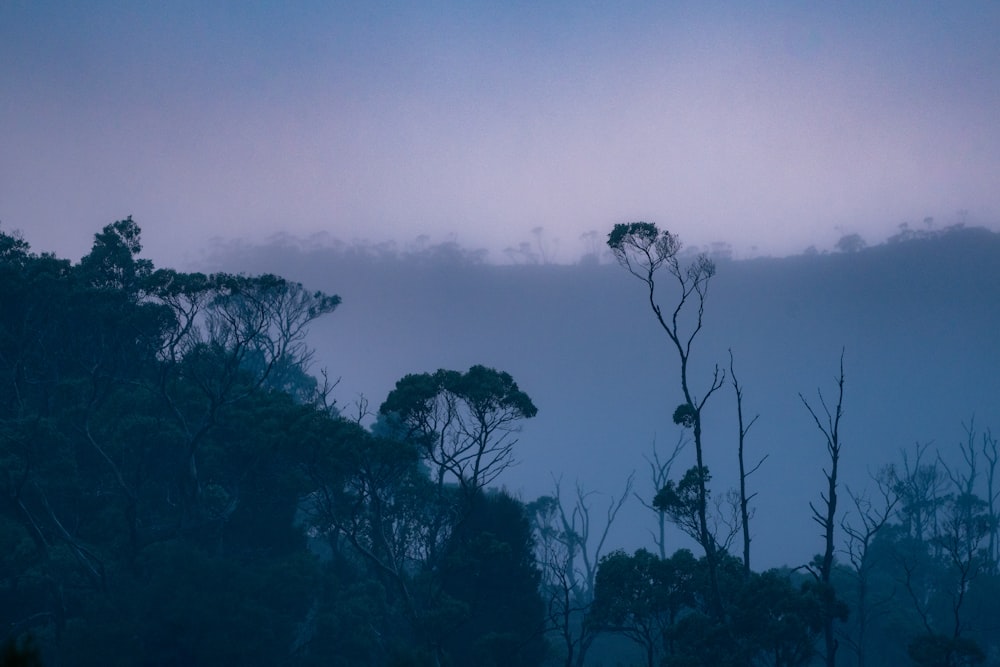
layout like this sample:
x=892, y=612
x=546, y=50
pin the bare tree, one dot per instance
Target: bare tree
x=965, y=481
x=570, y=544
x=922, y=488
x=826, y=516
x=966, y=526
x=659, y=475
x=744, y=427
x=991, y=452
x=963, y=528
x=562, y=586
x=873, y=513
x=964, y=478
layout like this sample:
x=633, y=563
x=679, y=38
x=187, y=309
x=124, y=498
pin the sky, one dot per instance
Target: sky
x=772, y=126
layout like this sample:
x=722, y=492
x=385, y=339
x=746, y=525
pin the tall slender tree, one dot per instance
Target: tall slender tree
x=644, y=250
x=826, y=514
x=745, y=498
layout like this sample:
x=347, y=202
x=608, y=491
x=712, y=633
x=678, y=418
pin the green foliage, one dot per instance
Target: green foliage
x=642, y=597
x=489, y=391
x=485, y=390
x=778, y=620
x=702, y=641
x=464, y=423
x=14, y=250
x=646, y=231
x=643, y=235
x=685, y=415
x=490, y=570
x=681, y=501
x=112, y=263
x=662, y=606
x=642, y=248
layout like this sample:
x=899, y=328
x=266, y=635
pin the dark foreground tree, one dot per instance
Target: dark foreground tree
x=641, y=597
x=150, y=479
x=489, y=575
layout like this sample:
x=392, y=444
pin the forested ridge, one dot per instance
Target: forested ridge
x=179, y=488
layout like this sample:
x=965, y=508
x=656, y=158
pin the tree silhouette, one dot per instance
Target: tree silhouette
x=643, y=250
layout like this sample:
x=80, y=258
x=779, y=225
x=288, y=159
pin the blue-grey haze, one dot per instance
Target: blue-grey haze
x=917, y=322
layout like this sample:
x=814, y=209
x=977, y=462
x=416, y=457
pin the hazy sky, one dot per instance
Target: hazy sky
x=771, y=124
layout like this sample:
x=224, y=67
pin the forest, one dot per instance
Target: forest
x=181, y=487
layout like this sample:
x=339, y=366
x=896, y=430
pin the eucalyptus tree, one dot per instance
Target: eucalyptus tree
x=644, y=251
x=465, y=424
x=640, y=596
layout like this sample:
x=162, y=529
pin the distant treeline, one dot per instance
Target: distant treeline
x=423, y=251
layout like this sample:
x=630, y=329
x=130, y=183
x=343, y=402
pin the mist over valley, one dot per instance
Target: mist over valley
x=916, y=320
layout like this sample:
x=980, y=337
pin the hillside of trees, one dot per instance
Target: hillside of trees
x=190, y=478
